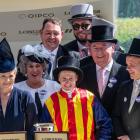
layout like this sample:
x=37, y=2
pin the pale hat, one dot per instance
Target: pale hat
x=84, y=11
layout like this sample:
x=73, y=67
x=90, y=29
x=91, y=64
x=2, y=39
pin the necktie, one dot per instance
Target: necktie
x=38, y=104
x=101, y=81
x=83, y=52
x=134, y=95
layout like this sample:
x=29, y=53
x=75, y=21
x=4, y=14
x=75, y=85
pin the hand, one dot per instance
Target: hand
x=124, y=137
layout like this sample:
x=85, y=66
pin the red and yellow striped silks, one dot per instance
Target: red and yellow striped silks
x=74, y=115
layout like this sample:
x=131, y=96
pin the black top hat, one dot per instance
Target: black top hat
x=68, y=63
x=7, y=62
x=134, y=48
x=102, y=33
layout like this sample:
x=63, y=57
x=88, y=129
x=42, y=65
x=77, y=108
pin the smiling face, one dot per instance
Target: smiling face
x=101, y=52
x=6, y=81
x=133, y=67
x=81, y=28
x=34, y=71
x=51, y=35
x=67, y=80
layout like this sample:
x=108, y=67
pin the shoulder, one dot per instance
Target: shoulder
x=86, y=61
x=51, y=83
x=70, y=43
x=22, y=94
x=19, y=84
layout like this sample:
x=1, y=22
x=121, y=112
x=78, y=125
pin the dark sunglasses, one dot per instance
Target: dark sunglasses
x=83, y=26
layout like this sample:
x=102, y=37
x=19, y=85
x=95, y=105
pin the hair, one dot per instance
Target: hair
x=24, y=60
x=55, y=21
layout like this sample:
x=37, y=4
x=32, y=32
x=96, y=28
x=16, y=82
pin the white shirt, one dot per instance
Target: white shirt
x=107, y=69
x=44, y=91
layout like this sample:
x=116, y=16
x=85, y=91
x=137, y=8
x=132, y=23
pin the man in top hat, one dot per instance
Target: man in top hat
x=81, y=21
x=118, y=55
x=17, y=108
x=102, y=75
x=73, y=109
x=126, y=114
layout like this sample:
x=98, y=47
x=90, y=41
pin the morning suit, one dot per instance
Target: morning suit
x=126, y=123
x=89, y=82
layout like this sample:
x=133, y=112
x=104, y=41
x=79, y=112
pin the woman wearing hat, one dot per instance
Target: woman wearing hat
x=34, y=66
x=72, y=109
x=17, y=107
x=126, y=115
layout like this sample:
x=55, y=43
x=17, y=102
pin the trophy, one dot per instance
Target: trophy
x=45, y=127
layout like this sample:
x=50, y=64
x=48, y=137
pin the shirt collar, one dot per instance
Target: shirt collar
x=137, y=82
x=107, y=67
x=54, y=52
x=80, y=45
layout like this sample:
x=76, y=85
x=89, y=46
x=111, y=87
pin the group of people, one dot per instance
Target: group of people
x=87, y=87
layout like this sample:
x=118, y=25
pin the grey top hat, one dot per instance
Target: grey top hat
x=81, y=11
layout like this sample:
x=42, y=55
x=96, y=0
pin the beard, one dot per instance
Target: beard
x=81, y=40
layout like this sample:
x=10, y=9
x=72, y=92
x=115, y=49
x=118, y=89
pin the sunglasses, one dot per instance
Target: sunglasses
x=83, y=26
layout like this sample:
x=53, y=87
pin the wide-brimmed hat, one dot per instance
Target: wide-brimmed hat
x=134, y=48
x=33, y=54
x=68, y=63
x=7, y=62
x=84, y=11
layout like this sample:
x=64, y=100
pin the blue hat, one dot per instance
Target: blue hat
x=7, y=62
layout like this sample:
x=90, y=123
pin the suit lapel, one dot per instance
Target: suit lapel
x=93, y=81
x=112, y=74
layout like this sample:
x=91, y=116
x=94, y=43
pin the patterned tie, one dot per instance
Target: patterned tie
x=84, y=52
x=101, y=81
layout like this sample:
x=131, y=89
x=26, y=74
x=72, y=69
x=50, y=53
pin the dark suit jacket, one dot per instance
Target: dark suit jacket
x=20, y=77
x=126, y=123
x=72, y=46
x=90, y=82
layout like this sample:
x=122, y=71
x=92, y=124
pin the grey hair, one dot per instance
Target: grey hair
x=24, y=60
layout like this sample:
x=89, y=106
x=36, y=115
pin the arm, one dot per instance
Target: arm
x=102, y=120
